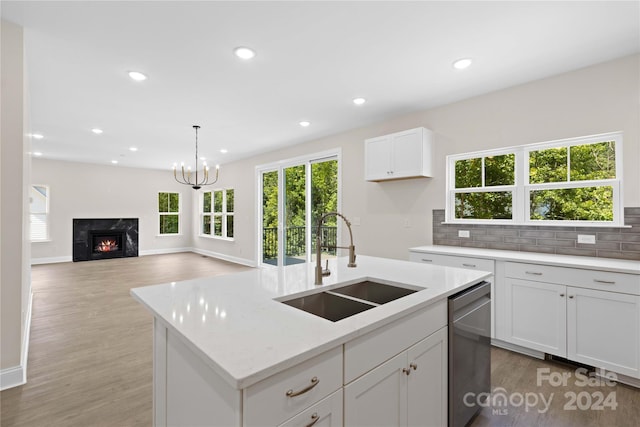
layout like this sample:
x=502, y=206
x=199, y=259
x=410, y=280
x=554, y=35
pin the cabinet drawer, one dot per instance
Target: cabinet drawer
x=582, y=278
x=327, y=412
x=370, y=350
x=267, y=402
x=454, y=261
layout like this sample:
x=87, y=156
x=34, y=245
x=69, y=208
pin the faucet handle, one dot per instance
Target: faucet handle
x=325, y=270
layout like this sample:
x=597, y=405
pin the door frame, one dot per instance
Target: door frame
x=279, y=166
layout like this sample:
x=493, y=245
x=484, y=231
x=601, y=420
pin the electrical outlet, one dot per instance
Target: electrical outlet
x=587, y=238
x=463, y=233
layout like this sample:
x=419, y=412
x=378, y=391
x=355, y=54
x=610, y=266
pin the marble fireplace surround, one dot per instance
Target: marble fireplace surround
x=82, y=232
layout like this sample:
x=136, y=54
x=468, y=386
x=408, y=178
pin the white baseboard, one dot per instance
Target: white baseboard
x=164, y=251
x=51, y=260
x=17, y=375
x=224, y=257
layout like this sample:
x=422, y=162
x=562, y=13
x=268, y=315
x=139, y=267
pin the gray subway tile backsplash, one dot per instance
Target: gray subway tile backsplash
x=611, y=242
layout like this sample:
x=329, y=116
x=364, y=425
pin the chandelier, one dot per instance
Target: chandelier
x=197, y=183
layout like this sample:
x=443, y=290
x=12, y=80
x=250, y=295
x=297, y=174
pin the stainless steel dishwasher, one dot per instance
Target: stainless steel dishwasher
x=469, y=352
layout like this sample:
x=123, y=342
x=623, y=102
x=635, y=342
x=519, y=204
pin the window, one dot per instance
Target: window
x=572, y=181
x=169, y=213
x=39, y=213
x=217, y=213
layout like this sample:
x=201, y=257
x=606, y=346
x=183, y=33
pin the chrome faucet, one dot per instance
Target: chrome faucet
x=352, y=250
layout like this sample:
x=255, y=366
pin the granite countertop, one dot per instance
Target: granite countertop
x=592, y=263
x=234, y=324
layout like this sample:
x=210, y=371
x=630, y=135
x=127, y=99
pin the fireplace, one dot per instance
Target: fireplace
x=95, y=239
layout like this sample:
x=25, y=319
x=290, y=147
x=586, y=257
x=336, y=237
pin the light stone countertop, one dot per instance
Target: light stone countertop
x=234, y=324
x=592, y=263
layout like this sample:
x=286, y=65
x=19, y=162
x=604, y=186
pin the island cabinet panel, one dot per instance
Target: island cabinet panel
x=326, y=413
x=283, y=395
x=410, y=389
x=368, y=351
x=195, y=394
x=378, y=398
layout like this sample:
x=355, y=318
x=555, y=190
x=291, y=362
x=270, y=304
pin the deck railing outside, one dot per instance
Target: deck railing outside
x=295, y=244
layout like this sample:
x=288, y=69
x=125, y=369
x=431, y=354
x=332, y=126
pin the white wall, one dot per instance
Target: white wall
x=80, y=190
x=597, y=99
x=15, y=280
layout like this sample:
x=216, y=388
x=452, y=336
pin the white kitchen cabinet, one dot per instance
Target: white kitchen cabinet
x=408, y=390
x=326, y=413
x=536, y=316
x=597, y=327
x=399, y=155
x=603, y=330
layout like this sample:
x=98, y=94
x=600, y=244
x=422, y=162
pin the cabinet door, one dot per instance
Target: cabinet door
x=378, y=398
x=407, y=153
x=536, y=315
x=326, y=413
x=427, y=388
x=378, y=158
x=603, y=330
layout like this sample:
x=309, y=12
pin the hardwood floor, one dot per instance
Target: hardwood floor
x=90, y=355
x=517, y=375
x=90, y=351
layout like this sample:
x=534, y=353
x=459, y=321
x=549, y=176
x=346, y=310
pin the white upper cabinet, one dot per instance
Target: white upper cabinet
x=405, y=154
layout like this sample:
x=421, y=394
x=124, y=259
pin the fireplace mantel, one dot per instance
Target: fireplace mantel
x=123, y=229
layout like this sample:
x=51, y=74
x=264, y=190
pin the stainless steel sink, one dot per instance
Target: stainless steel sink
x=331, y=307
x=342, y=302
x=374, y=291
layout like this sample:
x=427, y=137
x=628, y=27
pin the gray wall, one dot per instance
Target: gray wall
x=81, y=190
x=593, y=100
x=15, y=280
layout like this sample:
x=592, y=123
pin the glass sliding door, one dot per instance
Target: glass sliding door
x=324, y=198
x=270, y=217
x=294, y=196
x=295, y=217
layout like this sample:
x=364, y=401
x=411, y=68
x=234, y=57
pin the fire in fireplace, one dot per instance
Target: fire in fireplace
x=106, y=245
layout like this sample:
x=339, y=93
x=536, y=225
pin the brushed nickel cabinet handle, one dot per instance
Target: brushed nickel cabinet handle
x=413, y=366
x=469, y=265
x=314, y=419
x=426, y=260
x=314, y=382
x=562, y=295
x=533, y=273
x=406, y=371
x=606, y=282
x=571, y=296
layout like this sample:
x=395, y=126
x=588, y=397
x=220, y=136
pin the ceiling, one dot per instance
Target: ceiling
x=312, y=59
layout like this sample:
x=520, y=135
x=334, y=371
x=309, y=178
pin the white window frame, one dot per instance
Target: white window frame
x=160, y=214
x=522, y=188
x=224, y=214
x=46, y=216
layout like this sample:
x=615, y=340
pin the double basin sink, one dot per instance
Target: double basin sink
x=342, y=302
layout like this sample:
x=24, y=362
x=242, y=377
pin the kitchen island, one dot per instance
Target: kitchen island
x=227, y=351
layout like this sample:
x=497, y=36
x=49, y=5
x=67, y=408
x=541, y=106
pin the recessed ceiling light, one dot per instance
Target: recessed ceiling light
x=137, y=76
x=463, y=63
x=304, y=123
x=244, y=52
x=224, y=150
x=37, y=136
x=37, y=154
x=96, y=131
x=133, y=148
x=359, y=101
x=115, y=162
